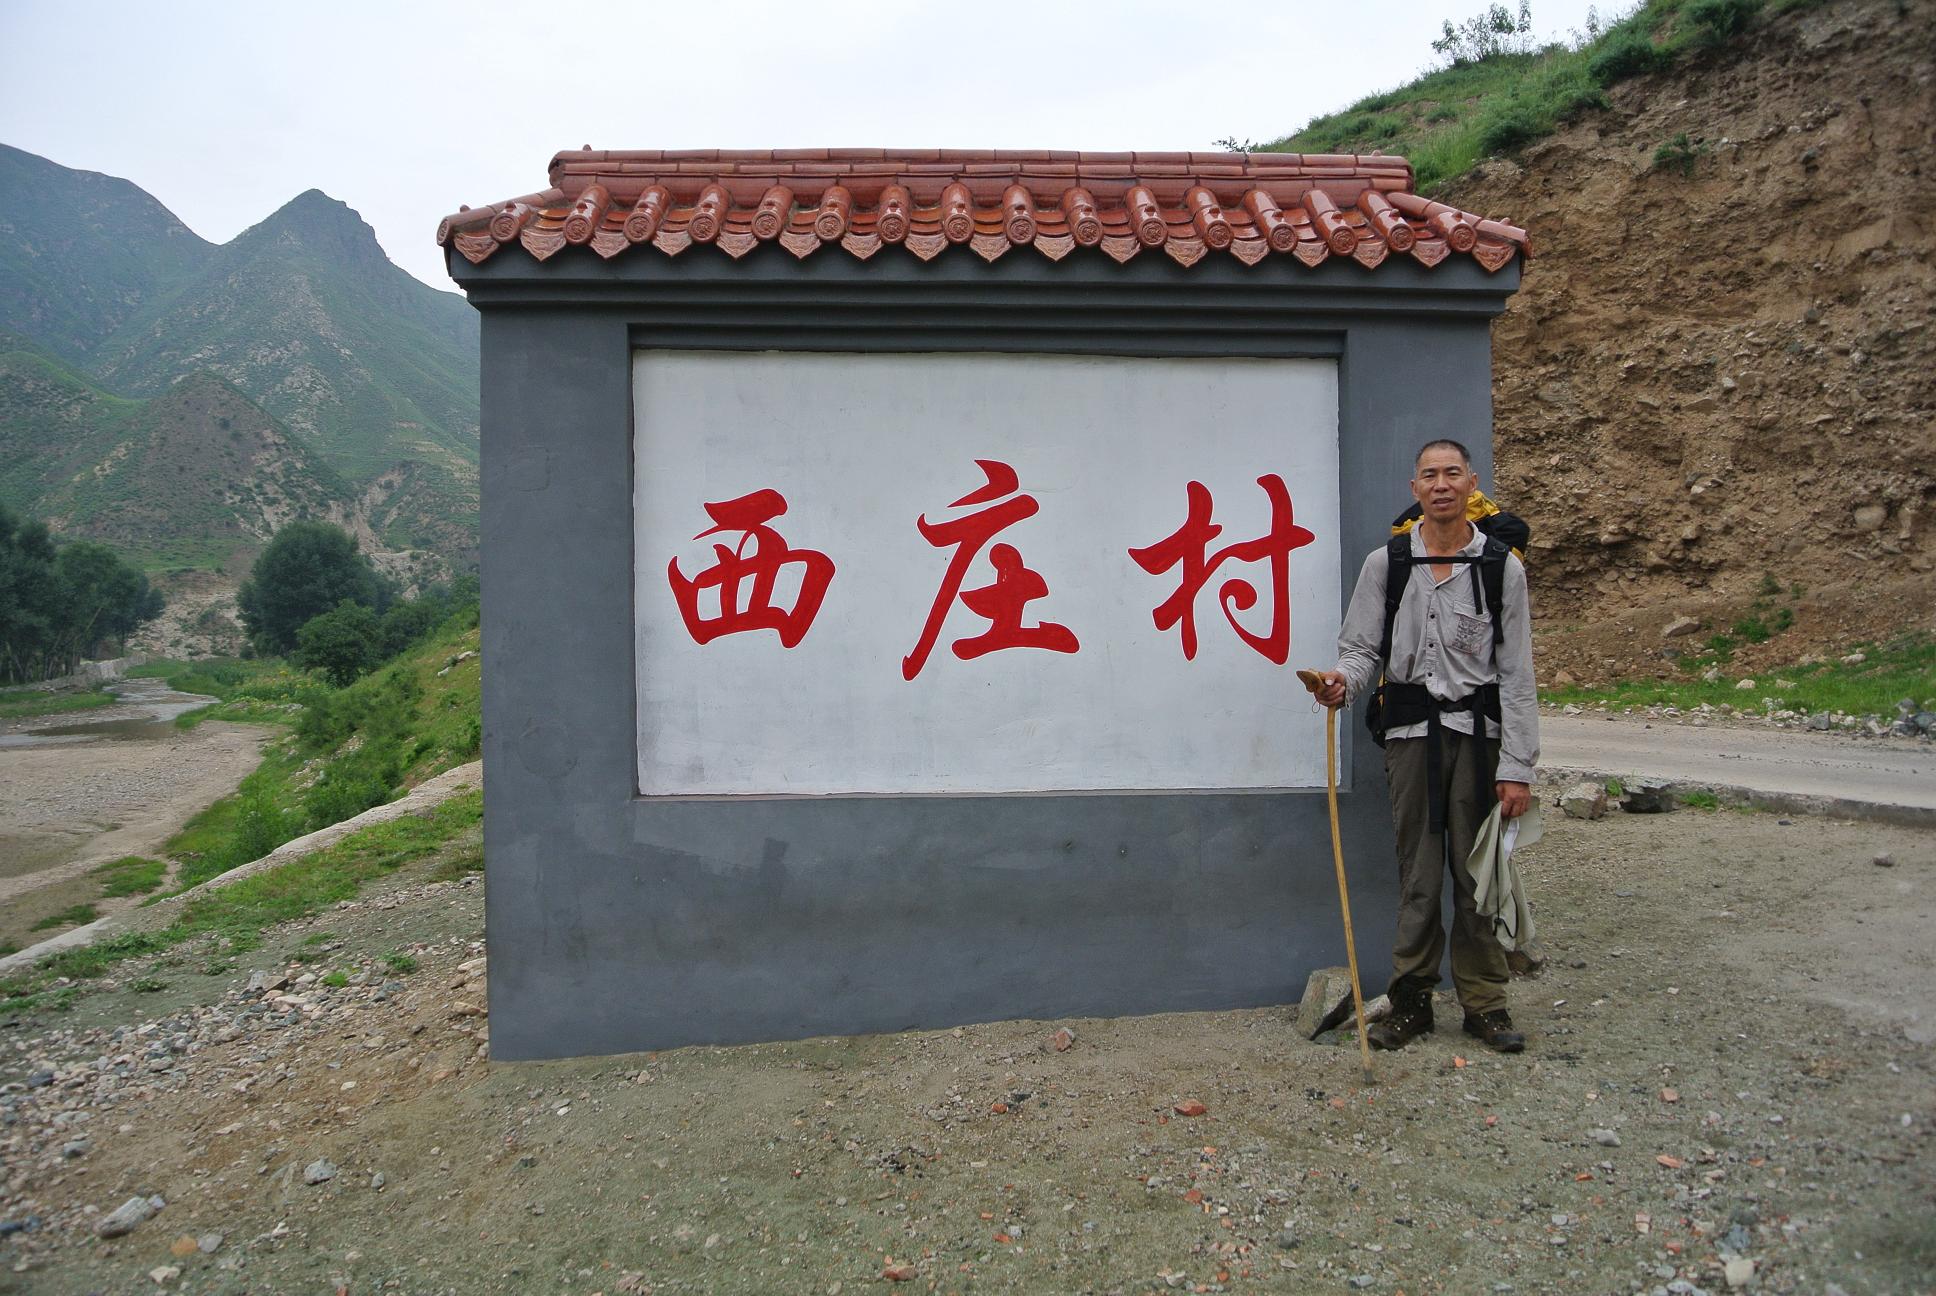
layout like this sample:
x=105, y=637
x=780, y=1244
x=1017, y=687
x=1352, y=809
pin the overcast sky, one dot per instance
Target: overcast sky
x=225, y=111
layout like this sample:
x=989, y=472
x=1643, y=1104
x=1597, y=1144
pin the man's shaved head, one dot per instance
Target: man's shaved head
x=1443, y=443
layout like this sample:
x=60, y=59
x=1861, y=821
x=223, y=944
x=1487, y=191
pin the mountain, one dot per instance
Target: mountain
x=306, y=314
x=188, y=477
x=81, y=252
x=372, y=373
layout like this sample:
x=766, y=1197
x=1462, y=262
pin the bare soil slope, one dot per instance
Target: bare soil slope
x=1725, y=371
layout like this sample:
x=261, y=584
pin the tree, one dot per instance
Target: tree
x=1496, y=31
x=58, y=605
x=307, y=569
x=342, y=643
x=104, y=598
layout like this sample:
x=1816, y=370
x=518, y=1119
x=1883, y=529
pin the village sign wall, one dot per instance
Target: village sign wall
x=889, y=619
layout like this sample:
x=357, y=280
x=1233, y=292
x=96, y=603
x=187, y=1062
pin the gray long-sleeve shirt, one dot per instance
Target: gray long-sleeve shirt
x=1442, y=640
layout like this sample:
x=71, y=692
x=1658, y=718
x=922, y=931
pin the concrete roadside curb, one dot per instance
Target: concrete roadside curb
x=420, y=800
x=1883, y=812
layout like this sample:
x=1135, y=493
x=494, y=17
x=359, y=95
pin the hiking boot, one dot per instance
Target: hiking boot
x=1495, y=1028
x=1411, y=1017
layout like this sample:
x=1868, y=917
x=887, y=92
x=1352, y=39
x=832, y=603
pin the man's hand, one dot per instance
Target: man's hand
x=1332, y=693
x=1515, y=799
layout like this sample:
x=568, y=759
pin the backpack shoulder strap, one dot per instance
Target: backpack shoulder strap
x=1492, y=578
x=1398, y=574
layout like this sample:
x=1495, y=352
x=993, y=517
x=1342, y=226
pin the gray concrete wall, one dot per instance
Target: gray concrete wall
x=618, y=923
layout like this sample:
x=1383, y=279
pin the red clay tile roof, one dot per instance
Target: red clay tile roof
x=1311, y=206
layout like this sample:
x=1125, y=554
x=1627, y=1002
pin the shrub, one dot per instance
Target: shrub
x=353, y=784
x=1679, y=152
x=1627, y=53
x=261, y=824
x=1715, y=22
x=343, y=643
x=1509, y=126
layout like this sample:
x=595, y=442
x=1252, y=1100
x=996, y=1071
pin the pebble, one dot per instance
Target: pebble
x=1604, y=1137
x=319, y=1171
x=1884, y=860
x=377, y=1181
x=1739, y=1271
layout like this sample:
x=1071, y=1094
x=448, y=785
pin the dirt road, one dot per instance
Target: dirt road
x=1897, y=773
x=1730, y=1063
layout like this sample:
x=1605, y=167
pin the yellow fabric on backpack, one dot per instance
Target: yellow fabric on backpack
x=1475, y=508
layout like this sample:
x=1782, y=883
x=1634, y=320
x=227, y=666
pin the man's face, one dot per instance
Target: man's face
x=1442, y=483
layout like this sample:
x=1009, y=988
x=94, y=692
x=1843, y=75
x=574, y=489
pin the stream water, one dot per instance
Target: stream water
x=145, y=710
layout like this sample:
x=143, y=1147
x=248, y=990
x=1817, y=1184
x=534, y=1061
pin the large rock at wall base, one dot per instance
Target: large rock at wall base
x=1680, y=626
x=1324, y=989
x=1584, y=801
x=1327, y=1003
x=1648, y=796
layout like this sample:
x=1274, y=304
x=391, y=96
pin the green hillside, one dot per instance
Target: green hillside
x=80, y=253
x=184, y=478
x=1499, y=93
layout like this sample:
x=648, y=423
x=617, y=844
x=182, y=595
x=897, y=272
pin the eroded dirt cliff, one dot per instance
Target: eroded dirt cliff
x=1716, y=382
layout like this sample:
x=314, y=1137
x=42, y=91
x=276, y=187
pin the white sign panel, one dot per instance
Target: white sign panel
x=918, y=573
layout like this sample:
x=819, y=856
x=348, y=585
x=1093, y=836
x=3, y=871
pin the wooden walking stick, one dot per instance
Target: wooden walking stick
x=1314, y=681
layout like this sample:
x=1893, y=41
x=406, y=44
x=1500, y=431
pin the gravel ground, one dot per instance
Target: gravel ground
x=1730, y=1081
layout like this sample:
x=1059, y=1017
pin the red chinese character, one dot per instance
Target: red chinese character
x=1188, y=546
x=745, y=575
x=1002, y=601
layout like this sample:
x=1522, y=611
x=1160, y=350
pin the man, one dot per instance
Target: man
x=1451, y=665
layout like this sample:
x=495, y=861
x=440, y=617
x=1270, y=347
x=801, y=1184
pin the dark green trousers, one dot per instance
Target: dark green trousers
x=1478, y=961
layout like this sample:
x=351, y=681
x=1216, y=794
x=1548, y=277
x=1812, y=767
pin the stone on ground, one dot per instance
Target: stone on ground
x=1584, y=801
x=1647, y=796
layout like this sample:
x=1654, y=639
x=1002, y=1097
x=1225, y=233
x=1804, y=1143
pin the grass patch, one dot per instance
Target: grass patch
x=239, y=913
x=400, y=962
x=72, y=916
x=130, y=875
x=1680, y=153
x=1450, y=118
x=1904, y=667
x=336, y=980
x=17, y=702
x=1700, y=800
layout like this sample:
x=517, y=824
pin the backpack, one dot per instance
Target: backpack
x=1505, y=533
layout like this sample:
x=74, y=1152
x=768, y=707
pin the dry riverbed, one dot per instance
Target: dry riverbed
x=84, y=788
x=1730, y=1079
